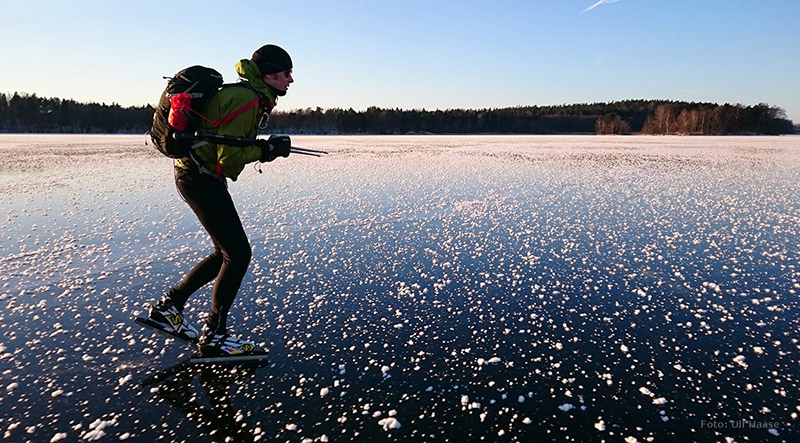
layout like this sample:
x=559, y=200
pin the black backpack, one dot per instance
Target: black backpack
x=179, y=107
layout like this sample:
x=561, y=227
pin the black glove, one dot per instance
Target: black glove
x=276, y=146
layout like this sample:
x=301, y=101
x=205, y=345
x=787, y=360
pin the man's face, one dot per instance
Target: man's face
x=280, y=81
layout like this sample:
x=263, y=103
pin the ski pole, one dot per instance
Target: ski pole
x=306, y=151
x=295, y=150
x=240, y=141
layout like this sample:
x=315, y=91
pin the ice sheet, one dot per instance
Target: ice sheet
x=426, y=288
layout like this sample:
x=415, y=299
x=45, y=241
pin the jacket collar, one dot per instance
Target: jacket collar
x=249, y=72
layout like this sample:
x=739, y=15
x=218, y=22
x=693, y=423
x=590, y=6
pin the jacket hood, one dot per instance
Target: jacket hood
x=249, y=72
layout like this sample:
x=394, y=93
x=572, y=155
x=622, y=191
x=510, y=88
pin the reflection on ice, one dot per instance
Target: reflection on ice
x=414, y=288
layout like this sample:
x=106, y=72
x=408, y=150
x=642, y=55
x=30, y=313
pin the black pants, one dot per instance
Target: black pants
x=211, y=202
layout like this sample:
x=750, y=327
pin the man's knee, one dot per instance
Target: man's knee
x=240, y=255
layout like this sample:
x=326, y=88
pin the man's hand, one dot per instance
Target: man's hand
x=274, y=147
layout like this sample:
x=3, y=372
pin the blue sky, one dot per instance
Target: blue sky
x=415, y=54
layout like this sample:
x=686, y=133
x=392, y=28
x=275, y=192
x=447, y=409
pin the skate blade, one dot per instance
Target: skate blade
x=150, y=324
x=247, y=359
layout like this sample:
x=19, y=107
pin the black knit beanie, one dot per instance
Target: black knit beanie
x=272, y=59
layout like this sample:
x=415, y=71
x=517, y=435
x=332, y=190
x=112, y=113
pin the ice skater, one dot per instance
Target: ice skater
x=201, y=180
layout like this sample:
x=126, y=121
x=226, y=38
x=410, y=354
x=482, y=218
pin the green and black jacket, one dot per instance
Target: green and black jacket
x=229, y=161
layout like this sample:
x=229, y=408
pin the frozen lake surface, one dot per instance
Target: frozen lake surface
x=413, y=288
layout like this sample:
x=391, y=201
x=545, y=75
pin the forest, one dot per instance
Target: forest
x=28, y=113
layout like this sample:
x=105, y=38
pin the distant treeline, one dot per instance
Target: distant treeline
x=24, y=113
x=28, y=113
x=622, y=117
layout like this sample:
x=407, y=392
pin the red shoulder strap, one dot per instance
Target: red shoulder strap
x=230, y=116
x=237, y=112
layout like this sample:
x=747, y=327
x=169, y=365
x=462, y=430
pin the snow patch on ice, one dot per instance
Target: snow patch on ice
x=389, y=423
